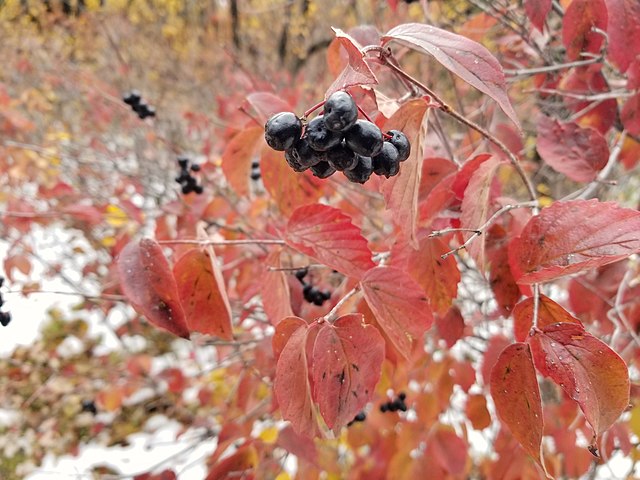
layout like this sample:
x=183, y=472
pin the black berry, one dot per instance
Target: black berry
x=198, y=189
x=361, y=172
x=89, y=406
x=401, y=142
x=364, y=138
x=340, y=112
x=319, y=136
x=402, y=396
x=255, y=175
x=292, y=158
x=132, y=98
x=323, y=170
x=282, y=130
x=195, y=167
x=386, y=162
x=384, y=407
x=342, y=157
x=360, y=417
x=5, y=318
x=183, y=162
x=305, y=155
x=300, y=274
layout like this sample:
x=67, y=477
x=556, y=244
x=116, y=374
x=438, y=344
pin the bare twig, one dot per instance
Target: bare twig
x=219, y=243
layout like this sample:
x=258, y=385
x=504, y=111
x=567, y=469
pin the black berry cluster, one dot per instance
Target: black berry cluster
x=89, y=406
x=134, y=100
x=337, y=140
x=255, y=170
x=360, y=417
x=395, y=405
x=5, y=317
x=187, y=181
x=312, y=294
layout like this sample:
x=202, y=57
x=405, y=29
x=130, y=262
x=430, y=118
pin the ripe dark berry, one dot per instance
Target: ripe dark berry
x=401, y=142
x=386, y=162
x=255, y=164
x=183, y=162
x=360, y=417
x=5, y=318
x=292, y=158
x=319, y=136
x=340, y=111
x=187, y=189
x=195, y=167
x=402, y=396
x=305, y=155
x=308, y=292
x=342, y=157
x=300, y=274
x=401, y=405
x=326, y=295
x=282, y=130
x=89, y=406
x=364, y=138
x=393, y=406
x=145, y=111
x=255, y=175
x=361, y=172
x=384, y=407
x=132, y=98
x=198, y=189
x=1, y=281
x=323, y=170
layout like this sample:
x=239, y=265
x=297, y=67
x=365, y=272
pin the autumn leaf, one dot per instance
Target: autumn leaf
x=399, y=305
x=347, y=363
x=468, y=59
x=266, y=104
x=402, y=191
x=586, y=369
x=238, y=155
x=537, y=11
x=570, y=237
x=579, y=153
x=516, y=395
x=357, y=71
x=578, y=24
x=203, y=294
x=147, y=281
x=549, y=312
x=623, y=32
x=328, y=235
x=274, y=290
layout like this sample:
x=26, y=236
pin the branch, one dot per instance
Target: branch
x=218, y=243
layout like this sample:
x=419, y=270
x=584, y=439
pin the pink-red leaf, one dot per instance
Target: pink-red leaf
x=274, y=290
x=267, y=104
x=468, y=59
x=347, y=363
x=203, y=293
x=401, y=192
x=147, y=281
x=630, y=115
x=623, y=31
x=579, y=153
x=357, y=72
x=515, y=392
x=292, y=386
x=328, y=235
x=581, y=17
x=586, y=369
x=537, y=11
x=569, y=237
x=399, y=305
x=549, y=312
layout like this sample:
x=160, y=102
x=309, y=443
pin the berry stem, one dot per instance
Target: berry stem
x=364, y=114
x=313, y=109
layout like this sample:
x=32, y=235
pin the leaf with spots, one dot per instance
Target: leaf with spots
x=570, y=237
x=399, y=305
x=292, y=386
x=516, y=395
x=203, y=294
x=586, y=369
x=549, y=312
x=328, y=235
x=147, y=281
x=347, y=364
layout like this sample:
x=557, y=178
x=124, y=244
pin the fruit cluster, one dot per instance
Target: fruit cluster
x=360, y=417
x=397, y=404
x=134, y=100
x=187, y=181
x=337, y=140
x=5, y=317
x=89, y=406
x=312, y=294
x=255, y=170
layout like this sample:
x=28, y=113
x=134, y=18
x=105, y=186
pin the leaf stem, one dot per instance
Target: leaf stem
x=333, y=313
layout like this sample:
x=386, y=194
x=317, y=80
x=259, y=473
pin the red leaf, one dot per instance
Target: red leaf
x=450, y=326
x=274, y=290
x=515, y=392
x=579, y=153
x=347, y=363
x=623, y=31
x=328, y=235
x=292, y=386
x=503, y=285
x=537, y=11
x=587, y=370
x=357, y=72
x=147, y=281
x=399, y=305
x=238, y=155
x=203, y=294
x=577, y=24
x=449, y=450
x=288, y=189
x=267, y=104
x=235, y=465
x=468, y=59
x=463, y=177
x=569, y=237
x=478, y=205
x=477, y=412
x=549, y=312
x=438, y=278
x=630, y=115
x=284, y=330
x=401, y=192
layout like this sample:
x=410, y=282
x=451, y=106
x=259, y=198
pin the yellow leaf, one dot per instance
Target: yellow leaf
x=269, y=435
x=116, y=217
x=283, y=476
x=634, y=423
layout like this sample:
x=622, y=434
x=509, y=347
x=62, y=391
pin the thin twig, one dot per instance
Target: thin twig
x=333, y=313
x=551, y=68
x=222, y=242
